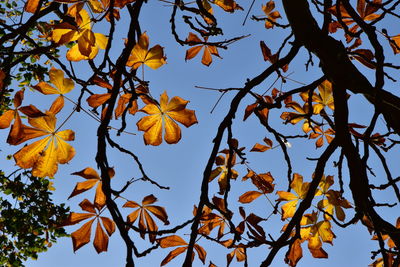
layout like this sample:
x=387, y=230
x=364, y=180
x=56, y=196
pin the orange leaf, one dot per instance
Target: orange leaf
x=75, y=218
x=98, y=99
x=88, y=173
x=109, y=225
x=172, y=255
x=249, y=196
x=31, y=6
x=82, y=187
x=82, y=236
x=150, y=199
x=100, y=242
x=165, y=114
x=171, y=241
x=201, y=253
x=294, y=254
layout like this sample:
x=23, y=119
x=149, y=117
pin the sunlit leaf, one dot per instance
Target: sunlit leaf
x=165, y=116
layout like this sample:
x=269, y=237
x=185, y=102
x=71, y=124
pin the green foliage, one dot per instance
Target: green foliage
x=28, y=218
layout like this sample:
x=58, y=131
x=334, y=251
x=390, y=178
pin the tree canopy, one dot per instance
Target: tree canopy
x=304, y=145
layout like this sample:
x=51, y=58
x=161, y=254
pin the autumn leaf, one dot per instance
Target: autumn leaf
x=323, y=99
x=263, y=181
x=222, y=169
x=300, y=189
x=319, y=134
x=143, y=211
x=209, y=50
x=87, y=43
x=302, y=113
x=141, y=54
x=294, y=254
x=31, y=6
x=44, y=155
x=16, y=132
x=61, y=85
x=164, y=116
x=272, y=15
x=227, y=5
x=317, y=234
x=249, y=196
x=262, y=148
x=268, y=56
x=251, y=222
x=82, y=236
x=394, y=42
x=239, y=252
x=173, y=241
x=92, y=178
x=210, y=221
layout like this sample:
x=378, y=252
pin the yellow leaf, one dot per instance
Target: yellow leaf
x=43, y=156
x=165, y=115
x=153, y=58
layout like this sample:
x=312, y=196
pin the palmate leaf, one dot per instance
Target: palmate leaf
x=15, y=134
x=44, y=155
x=175, y=240
x=82, y=236
x=61, y=85
x=143, y=211
x=272, y=15
x=92, y=178
x=300, y=189
x=163, y=117
x=87, y=43
x=209, y=50
x=141, y=54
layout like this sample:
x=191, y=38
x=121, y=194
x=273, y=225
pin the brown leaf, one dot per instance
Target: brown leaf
x=150, y=199
x=31, y=6
x=201, y=253
x=171, y=241
x=249, y=196
x=82, y=236
x=109, y=225
x=172, y=255
x=98, y=99
x=31, y=111
x=100, y=242
x=102, y=83
x=260, y=148
x=87, y=173
x=75, y=218
x=86, y=205
x=294, y=254
x=249, y=110
x=83, y=186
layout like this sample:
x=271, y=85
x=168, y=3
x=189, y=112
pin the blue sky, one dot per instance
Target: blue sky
x=180, y=166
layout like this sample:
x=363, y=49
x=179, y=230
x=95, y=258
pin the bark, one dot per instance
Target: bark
x=335, y=63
